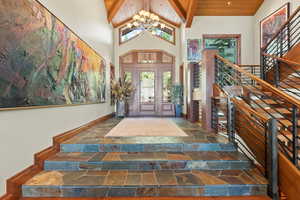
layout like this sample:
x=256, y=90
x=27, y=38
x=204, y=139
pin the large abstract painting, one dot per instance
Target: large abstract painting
x=42, y=62
x=271, y=24
x=194, y=47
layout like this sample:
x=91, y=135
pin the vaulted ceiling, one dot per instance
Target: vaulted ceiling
x=178, y=11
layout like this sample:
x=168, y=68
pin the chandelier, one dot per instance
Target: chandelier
x=146, y=21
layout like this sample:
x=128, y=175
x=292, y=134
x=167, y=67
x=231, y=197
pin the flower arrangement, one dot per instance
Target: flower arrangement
x=121, y=89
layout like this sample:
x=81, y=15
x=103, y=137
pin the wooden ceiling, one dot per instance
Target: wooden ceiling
x=120, y=11
x=177, y=11
x=227, y=7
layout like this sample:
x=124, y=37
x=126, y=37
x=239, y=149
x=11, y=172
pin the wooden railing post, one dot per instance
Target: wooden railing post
x=272, y=158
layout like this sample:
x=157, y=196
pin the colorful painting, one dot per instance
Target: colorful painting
x=44, y=63
x=271, y=24
x=194, y=48
x=227, y=46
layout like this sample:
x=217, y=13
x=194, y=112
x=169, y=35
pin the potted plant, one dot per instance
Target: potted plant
x=177, y=98
x=121, y=91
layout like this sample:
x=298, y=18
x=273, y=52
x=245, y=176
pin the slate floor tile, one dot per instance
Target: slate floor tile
x=149, y=179
x=134, y=180
x=117, y=179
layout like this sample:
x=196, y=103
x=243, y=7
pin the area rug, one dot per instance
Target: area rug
x=129, y=127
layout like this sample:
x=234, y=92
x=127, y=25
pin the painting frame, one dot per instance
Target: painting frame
x=194, y=48
x=102, y=65
x=286, y=8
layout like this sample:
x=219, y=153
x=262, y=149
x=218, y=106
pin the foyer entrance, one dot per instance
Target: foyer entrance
x=152, y=74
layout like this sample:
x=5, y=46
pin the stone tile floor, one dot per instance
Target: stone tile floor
x=91, y=165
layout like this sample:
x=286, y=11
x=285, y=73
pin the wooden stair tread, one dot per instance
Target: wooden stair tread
x=290, y=85
x=278, y=110
x=266, y=101
x=257, y=90
x=286, y=122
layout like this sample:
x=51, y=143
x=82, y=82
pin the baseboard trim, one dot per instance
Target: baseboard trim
x=14, y=184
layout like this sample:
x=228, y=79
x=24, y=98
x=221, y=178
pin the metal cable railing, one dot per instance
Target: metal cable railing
x=284, y=40
x=286, y=37
x=285, y=75
x=252, y=69
x=252, y=132
x=265, y=99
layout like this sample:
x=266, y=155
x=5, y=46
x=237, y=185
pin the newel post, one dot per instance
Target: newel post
x=272, y=158
x=208, y=79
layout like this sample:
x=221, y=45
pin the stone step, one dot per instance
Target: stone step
x=95, y=140
x=148, y=161
x=145, y=183
x=148, y=147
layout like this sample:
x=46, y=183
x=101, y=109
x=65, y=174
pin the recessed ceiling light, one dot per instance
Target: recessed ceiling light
x=229, y=3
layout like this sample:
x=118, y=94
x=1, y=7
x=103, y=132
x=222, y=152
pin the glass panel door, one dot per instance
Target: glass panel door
x=147, y=93
x=147, y=87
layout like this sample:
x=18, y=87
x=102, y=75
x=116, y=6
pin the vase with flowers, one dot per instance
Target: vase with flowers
x=121, y=91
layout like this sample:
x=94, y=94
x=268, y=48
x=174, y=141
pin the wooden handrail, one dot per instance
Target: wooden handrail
x=263, y=83
x=282, y=59
x=282, y=27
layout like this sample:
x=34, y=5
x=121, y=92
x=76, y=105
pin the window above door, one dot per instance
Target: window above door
x=166, y=33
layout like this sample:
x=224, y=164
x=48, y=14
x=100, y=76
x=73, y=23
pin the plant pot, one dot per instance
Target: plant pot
x=120, y=109
x=178, y=110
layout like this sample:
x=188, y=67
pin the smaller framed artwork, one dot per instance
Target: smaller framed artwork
x=194, y=47
x=270, y=25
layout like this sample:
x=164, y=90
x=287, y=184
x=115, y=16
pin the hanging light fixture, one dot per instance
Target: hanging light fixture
x=146, y=21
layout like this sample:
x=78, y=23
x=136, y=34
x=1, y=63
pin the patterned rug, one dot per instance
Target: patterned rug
x=129, y=127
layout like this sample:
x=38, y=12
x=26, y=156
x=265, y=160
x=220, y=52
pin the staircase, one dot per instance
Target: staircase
x=281, y=68
x=281, y=58
x=91, y=165
x=263, y=120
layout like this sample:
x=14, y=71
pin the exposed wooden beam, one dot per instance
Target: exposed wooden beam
x=190, y=13
x=114, y=9
x=116, y=25
x=178, y=9
x=166, y=20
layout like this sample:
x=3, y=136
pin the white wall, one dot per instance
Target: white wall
x=268, y=7
x=26, y=132
x=147, y=41
x=226, y=25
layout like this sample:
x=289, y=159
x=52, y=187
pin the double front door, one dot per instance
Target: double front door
x=152, y=96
